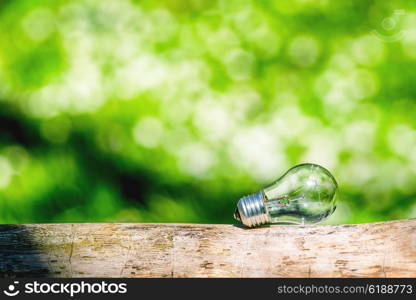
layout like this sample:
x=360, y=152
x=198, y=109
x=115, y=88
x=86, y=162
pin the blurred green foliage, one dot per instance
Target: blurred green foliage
x=169, y=111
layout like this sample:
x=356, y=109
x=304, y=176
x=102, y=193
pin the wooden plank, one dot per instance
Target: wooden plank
x=385, y=249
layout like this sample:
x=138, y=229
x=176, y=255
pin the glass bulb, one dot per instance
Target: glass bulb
x=304, y=194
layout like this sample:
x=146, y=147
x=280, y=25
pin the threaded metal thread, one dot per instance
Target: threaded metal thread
x=251, y=210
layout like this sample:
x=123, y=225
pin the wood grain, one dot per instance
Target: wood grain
x=179, y=250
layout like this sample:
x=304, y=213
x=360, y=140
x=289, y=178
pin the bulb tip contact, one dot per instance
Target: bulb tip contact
x=237, y=215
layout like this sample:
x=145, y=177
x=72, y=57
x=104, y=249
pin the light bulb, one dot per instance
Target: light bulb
x=304, y=194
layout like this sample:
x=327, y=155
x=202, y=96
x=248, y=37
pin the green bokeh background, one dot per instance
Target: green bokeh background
x=169, y=111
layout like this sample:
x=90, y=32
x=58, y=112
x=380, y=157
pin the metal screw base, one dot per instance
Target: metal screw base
x=251, y=210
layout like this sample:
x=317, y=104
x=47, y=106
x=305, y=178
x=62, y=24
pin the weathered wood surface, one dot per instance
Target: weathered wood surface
x=178, y=250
